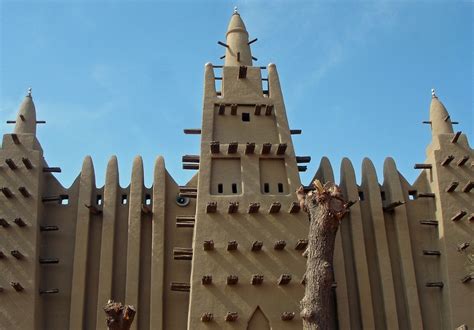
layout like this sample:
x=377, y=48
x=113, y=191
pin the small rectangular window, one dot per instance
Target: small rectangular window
x=361, y=195
x=234, y=188
x=147, y=199
x=412, y=194
x=245, y=116
x=98, y=200
x=220, y=188
x=124, y=199
x=266, y=188
x=280, y=187
x=64, y=199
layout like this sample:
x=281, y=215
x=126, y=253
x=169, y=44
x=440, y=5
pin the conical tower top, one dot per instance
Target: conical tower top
x=237, y=42
x=26, y=118
x=439, y=117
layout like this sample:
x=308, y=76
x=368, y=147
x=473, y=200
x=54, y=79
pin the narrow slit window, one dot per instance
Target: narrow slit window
x=147, y=199
x=234, y=188
x=412, y=194
x=220, y=188
x=280, y=187
x=98, y=200
x=245, y=116
x=361, y=195
x=382, y=194
x=124, y=199
x=266, y=188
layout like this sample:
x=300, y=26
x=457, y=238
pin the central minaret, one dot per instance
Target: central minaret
x=249, y=231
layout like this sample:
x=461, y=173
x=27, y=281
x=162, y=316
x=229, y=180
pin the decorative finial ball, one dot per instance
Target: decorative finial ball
x=29, y=91
x=236, y=10
x=433, y=93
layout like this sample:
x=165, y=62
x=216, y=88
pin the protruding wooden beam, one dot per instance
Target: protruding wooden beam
x=295, y=131
x=24, y=192
x=182, y=253
x=208, y=245
x=190, y=159
x=284, y=279
x=257, y=279
x=211, y=207
x=15, y=138
x=45, y=261
x=258, y=109
x=303, y=159
x=459, y=215
x=287, y=316
x=17, y=254
x=51, y=169
x=426, y=195
x=242, y=72
x=223, y=44
x=11, y=164
x=391, y=207
x=456, y=137
x=467, y=279
x=19, y=222
x=252, y=41
x=22, y=117
x=257, y=246
x=41, y=121
x=279, y=245
x=49, y=228
x=187, y=166
x=221, y=110
x=4, y=223
x=232, y=279
x=27, y=163
x=48, y=291
x=268, y=109
x=429, y=222
x=463, y=246
x=448, y=159
x=207, y=317
x=294, y=207
x=266, y=148
x=192, y=131
x=185, y=221
x=206, y=280
x=231, y=316
x=233, y=207
x=215, y=147
x=93, y=209
x=232, y=245
x=2, y=255
x=471, y=217
x=434, y=284
x=254, y=207
x=462, y=161
x=301, y=244
x=233, y=109
x=188, y=194
x=275, y=207
x=232, y=149
x=17, y=286
x=468, y=187
x=423, y=166
x=183, y=189
x=180, y=286
x=452, y=186
x=52, y=199
x=7, y=192
x=302, y=168
x=249, y=148
x=431, y=253
x=281, y=148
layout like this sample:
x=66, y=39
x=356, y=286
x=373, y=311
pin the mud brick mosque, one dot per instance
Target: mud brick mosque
x=224, y=250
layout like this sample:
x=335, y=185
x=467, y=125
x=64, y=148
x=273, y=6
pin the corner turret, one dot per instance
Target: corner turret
x=26, y=118
x=237, y=43
x=439, y=117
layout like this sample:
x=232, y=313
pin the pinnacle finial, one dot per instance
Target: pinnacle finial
x=433, y=93
x=29, y=92
x=236, y=11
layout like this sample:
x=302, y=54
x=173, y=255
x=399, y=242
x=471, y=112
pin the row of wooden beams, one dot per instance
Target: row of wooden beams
x=233, y=316
x=253, y=207
x=256, y=245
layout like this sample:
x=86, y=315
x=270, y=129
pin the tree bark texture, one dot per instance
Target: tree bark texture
x=119, y=317
x=325, y=207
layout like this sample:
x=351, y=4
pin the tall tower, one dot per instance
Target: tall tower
x=247, y=264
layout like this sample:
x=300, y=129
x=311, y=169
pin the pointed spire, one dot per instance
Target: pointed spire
x=26, y=118
x=237, y=42
x=439, y=117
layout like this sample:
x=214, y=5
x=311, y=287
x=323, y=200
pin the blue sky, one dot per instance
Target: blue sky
x=125, y=77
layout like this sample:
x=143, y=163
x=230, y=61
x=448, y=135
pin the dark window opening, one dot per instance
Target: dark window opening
x=147, y=199
x=64, y=199
x=412, y=194
x=234, y=188
x=266, y=188
x=361, y=195
x=124, y=199
x=98, y=200
x=220, y=188
x=280, y=187
x=382, y=194
x=245, y=116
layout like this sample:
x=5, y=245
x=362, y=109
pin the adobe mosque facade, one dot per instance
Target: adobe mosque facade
x=225, y=250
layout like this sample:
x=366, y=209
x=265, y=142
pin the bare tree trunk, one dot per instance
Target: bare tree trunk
x=119, y=317
x=326, y=208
